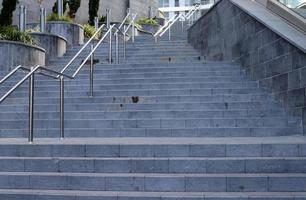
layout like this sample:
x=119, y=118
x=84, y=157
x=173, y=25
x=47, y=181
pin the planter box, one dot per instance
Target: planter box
x=74, y=33
x=54, y=45
x=17, y=53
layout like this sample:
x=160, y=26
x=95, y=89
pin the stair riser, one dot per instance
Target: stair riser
x=163, y=166
x=157, y=184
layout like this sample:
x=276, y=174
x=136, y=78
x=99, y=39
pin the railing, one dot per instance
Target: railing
x=31, y=77
x=190, y=17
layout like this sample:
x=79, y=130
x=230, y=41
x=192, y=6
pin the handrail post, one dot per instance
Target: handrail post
x=170, y=33
x=62, y=108
x=22, y=18
x=133, y=32
x=110, y=48
x=108, y=16
x=91, y=73
x=31, y=107
x=124, y=43
x=117, y=48
x=42, y=20
x=60, y=7
x=96, y=21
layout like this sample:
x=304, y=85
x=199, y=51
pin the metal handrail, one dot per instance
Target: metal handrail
x=11, y=73
x=30, y=76
x=166, y=25
x=124, y=20
x=57, y=75
x=175, y=18
x=81, y=50
x=169, y=27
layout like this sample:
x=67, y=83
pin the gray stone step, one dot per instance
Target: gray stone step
x=155, y=182
x=22, y=194
x=287, y=146
x=188, y=165
x=154, y=132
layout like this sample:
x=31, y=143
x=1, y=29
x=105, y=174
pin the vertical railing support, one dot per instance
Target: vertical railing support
x=31, y=108
x=169, y=33
x=62, y=108
x=117, y=48
x=96, y=21
x=60, y=8
x=108, y=16
x=91, y=78
x=124, y=42
x=133, y=31
x=110, y=54
x=43, y=20
x=22, y=18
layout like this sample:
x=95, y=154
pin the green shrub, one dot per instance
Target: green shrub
x=93, y=7
x=6, y=15
x=54, y=9
x=89, y=31
x=74, y=5
x=103, y=19
x=12, y=34
x=147, y=21
x=55, y=17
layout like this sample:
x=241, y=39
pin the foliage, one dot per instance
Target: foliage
x=6, y=15
x=147, y=21
x=74, y=5
x=93, y=6
x=89, y=31
x=12, y=34
x=54, y=9
x=103, y=19
x=55, y=17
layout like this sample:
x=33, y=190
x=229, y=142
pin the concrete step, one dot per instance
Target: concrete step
x=155, y=182
x=276, y=122
x=154, y=132
x=22, y=194
x=286, y=146
x=188, y=165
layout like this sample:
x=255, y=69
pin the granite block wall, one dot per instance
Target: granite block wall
x=228, y=33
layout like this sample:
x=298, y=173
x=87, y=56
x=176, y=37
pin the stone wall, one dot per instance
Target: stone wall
x=228, y=33
x=118, y=8
x=54, y=45
x=17, y=53
x=142, y=8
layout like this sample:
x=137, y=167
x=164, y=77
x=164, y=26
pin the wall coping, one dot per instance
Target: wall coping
x=63, y=22
x=273, y=22
x=48, y=34
x=23, y=44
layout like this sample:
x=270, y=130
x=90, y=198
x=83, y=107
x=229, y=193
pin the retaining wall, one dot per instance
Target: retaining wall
x=228, y=33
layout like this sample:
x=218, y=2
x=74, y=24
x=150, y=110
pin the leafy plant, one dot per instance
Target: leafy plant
x=147, y=21
x=6, y=15
x=12, y=34
x=54, y=8
x=74, y=5
x=55, y=17
x=93, y=7
x=89, y=31
x=103, y=19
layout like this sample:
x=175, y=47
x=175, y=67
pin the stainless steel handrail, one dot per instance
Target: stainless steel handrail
x=167, y=27
x=124, y=21
x=131, y=24
x=30, y=76
x=81, y=50
x=57, y=75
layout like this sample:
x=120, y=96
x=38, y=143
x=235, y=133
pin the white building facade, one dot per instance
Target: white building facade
x=168, y=8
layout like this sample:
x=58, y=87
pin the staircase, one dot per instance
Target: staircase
x=163, y=125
